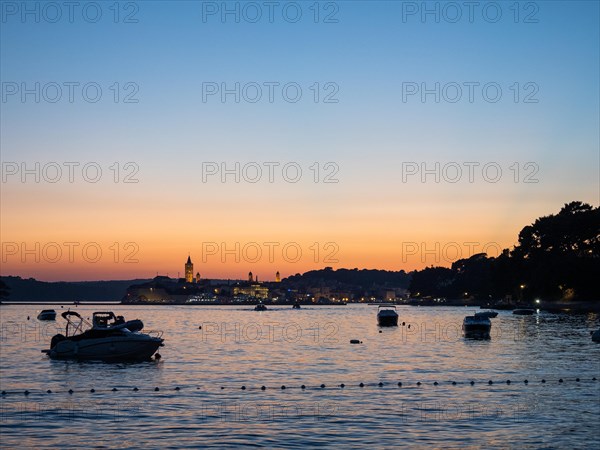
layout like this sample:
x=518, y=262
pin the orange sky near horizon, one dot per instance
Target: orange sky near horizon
x=47, y=235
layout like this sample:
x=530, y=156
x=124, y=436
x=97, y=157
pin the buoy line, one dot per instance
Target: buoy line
x=389, y=385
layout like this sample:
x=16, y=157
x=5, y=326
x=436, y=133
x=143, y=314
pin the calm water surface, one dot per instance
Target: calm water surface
x=239, y=347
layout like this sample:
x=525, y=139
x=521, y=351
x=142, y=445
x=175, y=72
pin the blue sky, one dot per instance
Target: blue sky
x=368, y=54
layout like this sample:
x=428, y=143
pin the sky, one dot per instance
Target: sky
x=288, y=136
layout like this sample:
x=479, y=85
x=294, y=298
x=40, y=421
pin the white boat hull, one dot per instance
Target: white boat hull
x=127, y=347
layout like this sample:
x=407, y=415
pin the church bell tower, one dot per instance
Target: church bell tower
x=189, y=271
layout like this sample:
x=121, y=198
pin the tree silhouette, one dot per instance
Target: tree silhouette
x=557, y=258
x=4, y=290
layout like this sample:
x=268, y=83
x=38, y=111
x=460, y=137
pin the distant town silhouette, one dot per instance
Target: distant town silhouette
x=555, y=263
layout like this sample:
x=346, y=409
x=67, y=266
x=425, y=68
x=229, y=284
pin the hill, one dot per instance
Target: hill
x=32, y=290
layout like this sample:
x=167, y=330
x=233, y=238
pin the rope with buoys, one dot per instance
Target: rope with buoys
x=388, y=385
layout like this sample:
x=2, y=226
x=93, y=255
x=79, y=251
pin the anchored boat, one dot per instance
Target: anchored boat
x=488, y=314
x=107, y=338
x=387, y=316
x=47, y=314
x=477, y=327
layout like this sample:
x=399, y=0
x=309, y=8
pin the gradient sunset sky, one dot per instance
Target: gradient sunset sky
x=371, y=216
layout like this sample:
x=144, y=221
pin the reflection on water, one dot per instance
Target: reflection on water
x=210, y=348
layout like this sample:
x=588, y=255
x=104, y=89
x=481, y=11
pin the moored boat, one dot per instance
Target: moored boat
x=387, y=316
x=488, y=314
x=47, y=314
x=109, y=338
x=477, y=327
x=260, y=307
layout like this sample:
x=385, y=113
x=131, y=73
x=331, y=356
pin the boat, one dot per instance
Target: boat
x=296, y=306
x=108, y=338
x=488, y=314
x=387, y=316
x=477, y=327
x=523, y=312
x=47, y=314
x=596, y=335
x=260, y=307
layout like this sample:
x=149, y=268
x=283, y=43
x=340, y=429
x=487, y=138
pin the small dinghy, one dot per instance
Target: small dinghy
x=488, y=314
x=47, y=314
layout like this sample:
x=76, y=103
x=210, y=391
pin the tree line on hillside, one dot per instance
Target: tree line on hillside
x=556, y=258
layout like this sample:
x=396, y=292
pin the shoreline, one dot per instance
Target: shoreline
x=556, y=308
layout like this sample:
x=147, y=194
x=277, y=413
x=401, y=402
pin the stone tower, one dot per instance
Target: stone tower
x=189, y=271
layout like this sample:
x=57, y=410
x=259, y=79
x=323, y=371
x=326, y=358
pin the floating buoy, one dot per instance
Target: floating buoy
x=27, y=317
x=507, y=381
x=222, y=387
x=594, y=379
x=454, y=383
x=282, y=387
x=135, y=389
x=526, y=381
x=200, y=327
x=472, y=382
x=26, y=392
x=399, y=384
x=354, y=341
x=92, y=390
x=380, y=331
x=543, y=381
x=156, y=389
x=70, y=391
x=303, y=387
x=342, y=385
x=243, y=388
x=418, y=383
x=157, y=356
x=490, y=382
x=114, y=389
x=3, y=392
x=362, y=385
x=435, y=383
x=404, y=323
x=48, y=391
x=262, y=388
x=380, y=384
x=560, y=380
x=577, y=379
x=322, y=386
x=177, y=388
